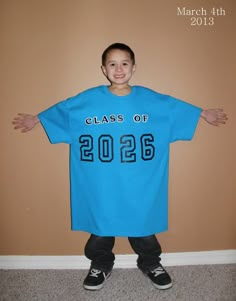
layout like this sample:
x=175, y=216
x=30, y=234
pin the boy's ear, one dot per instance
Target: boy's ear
x=104, y=70
x=134, y=68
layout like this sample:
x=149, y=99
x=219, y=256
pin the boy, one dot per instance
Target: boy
x=119, y=138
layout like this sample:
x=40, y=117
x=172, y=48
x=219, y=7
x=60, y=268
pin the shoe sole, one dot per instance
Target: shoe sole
x=162, y=287
x=93, y=288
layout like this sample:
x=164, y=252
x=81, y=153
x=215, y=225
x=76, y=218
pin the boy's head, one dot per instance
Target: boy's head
x=118, y=64
x=118, y=46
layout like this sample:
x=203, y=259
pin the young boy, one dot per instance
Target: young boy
x=119, y=138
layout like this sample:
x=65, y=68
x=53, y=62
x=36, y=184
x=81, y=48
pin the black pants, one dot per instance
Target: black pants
x=99, y=250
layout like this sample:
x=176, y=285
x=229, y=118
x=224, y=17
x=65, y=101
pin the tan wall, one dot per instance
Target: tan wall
x=50, y=49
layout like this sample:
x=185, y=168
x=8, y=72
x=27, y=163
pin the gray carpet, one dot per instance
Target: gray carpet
x=191, y=283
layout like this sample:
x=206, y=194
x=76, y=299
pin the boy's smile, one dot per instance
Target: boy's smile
x=118, y=68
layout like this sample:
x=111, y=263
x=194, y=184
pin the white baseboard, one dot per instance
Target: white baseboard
x=122, y=261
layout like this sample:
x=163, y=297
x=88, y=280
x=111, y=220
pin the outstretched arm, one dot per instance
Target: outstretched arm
x=25, y=122
x=214, y=116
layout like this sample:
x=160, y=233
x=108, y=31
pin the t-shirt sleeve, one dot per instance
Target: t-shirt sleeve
x=55, y=121
x=184, y=118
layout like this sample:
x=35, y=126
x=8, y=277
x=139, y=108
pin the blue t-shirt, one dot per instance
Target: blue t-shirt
x=119, y=155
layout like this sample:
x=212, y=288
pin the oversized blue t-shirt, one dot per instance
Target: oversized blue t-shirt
x=119, y=155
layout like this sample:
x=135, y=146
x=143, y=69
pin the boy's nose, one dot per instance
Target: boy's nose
x=118, y=67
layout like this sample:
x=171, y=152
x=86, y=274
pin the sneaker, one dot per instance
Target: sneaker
x=160, y=278
x=95, y=279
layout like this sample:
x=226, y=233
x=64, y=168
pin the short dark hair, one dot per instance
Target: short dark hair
x=119, y=46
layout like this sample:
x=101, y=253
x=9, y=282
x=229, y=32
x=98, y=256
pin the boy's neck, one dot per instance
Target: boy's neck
x=120, y=90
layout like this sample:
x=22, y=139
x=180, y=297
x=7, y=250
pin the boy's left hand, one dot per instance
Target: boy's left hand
x=214, y=116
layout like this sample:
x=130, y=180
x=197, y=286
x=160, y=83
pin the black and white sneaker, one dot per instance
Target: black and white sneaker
x=95, y=279
x=160, y=278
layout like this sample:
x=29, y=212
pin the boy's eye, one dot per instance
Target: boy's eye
x=125, y=64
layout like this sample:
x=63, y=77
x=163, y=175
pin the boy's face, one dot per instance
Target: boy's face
x=118, y=67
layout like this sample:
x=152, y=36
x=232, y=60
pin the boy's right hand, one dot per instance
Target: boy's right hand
x=25, y=122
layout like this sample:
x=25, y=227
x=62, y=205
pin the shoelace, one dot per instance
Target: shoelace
x=95, y=273
x=158, y=271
